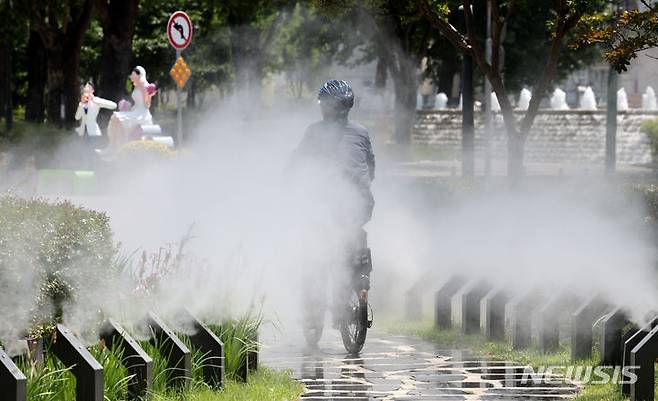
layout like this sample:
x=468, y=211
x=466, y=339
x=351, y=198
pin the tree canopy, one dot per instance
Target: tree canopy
x=622, y=33
x=238, y=44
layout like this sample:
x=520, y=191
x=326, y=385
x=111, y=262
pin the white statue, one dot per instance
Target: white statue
x=559, y=100
x=495, y=106
x=88, y=109
x=124, y=123
x=622, y=100
x=441, y=102
x=649, y=99
x=524, y=99
x=587, y=100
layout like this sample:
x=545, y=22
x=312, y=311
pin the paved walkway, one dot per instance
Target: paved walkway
x=402, y=368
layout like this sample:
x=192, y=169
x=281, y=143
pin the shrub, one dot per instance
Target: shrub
x=32, y=135
x=48, y=251
x=139, y=151
x=649, y=194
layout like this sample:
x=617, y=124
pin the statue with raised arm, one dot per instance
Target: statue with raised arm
x=87, y=112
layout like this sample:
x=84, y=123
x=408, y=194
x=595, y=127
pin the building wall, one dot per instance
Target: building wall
x=573, y=136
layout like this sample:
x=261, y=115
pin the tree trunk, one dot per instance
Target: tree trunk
x=381, y=73
x=4, y=74
x=611, y=123
x=242, y=38
x=55, y=85
x=515, y=152
x=406, y=89
x=191, y=93
x=71, y=68
x=63, y=44
x=118, y=19
x=9, y=104
x=37, y=76
x=63, y=84
x=468, y=123
x=6, y=50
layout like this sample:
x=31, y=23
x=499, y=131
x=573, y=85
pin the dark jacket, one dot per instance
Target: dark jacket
x=344, y=145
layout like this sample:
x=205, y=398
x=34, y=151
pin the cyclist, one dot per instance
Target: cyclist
x=335, y=143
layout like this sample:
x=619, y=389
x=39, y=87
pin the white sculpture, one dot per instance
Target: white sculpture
x=588, y=100
x=495, y=106
x=88, y=109
x=559, y=100
x=524, y=99
x=649, y=99
x=124, y=124
x=622, y=100
x=441, y=102
x=419, y=101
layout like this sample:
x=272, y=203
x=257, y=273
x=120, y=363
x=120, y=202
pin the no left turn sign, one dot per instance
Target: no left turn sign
x=179, y=30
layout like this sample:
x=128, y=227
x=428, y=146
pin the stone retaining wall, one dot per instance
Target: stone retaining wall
x=557, y=136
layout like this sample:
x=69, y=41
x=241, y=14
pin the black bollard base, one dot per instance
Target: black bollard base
x=412, y=304
x=442, y=301
x=582, y=321
x=253, y=355
x=88, y=371
x=611, y=346
x=492, y=314
x=13, y=383
x=518, y=313
x=242, y=375
x=465, y=306
x=548, y=320
x=211, y=347
x=179, y=357
x=631, y=341
x=138, y=363
x=643, y=358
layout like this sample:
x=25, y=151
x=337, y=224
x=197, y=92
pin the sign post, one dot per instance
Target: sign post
x=179, y=32
x=179, y=110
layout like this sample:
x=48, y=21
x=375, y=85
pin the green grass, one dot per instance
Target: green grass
x=498, y=350
x=50, y=381
x=160, y=369
x=600, y=392
x=265, y=384
x=115, y=376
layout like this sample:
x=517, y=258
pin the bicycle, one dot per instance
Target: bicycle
x=352, y=312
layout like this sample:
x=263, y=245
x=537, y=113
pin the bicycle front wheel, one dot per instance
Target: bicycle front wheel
x=354, y=325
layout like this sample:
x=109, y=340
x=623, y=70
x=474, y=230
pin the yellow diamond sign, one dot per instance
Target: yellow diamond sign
x=180, y=72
